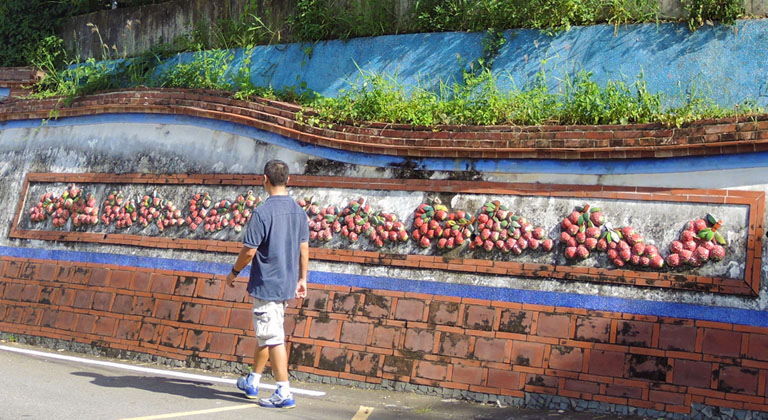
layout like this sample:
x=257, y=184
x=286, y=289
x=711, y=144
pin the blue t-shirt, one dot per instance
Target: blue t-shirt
x=276, y=230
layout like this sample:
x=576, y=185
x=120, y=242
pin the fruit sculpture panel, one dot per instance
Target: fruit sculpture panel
x=493, y=230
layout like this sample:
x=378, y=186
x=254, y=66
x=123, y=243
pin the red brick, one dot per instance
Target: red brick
x=83, y=299
x=514, y=321
x=366, y=364
x=419, y=340
x=409, y=310
x=346, y=303
x=64, y=320
x=172, y=337
x=316, y=300
x=123, y=304
x=490, y=349
x=526, y=353
x=302, y=354
x=635, y=333
x=385, y=337
x=196, y=340
x=120, y=279
x=15, y=315
x=332, y=358
x=550, y=325
x=376, y=306
x=721, y=342
x=80, y=275
x=104, y=326
x=566, y=358
x=238, y=294
x=651, y=368
x=85, y=323
x=456, y=345
x=692, y=373
x=143, y=306
x=127, y=329
x=48, y=319
x=467, y=374
x=13, y=291
x=354, y=332
x=221, y=343
x=185, y=286
x=624, y=391
x=503, y=379
x=30, y=292
x=162, y=283
x=677, y=337
x=738, y=380
x=102, y=301
x=99, y=277
x=140, y=281
x=479, y=317
x=429, y=370
x=607, y=363
x=323, y=329
x=593, y=329
x=666, y=397
x=13, y=269
x=209, y=288
x=191, y=312
x=31, y=315
x=246, y=346
x=215, y=315
x=47, y=272
x=64, y=273
x=443, y=313
x=582, y=386
x=758, y=347
x=243, y=319
x=149, y=333
x=167, y=309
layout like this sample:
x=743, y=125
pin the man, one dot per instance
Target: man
x=277, y=236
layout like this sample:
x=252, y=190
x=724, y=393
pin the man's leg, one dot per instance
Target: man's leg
x=279, y=362
x=260, y=357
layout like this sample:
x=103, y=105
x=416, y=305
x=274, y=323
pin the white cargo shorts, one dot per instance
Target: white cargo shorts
x=268, y=318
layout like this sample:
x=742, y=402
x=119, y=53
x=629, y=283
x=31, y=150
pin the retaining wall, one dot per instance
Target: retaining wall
x=670, y=342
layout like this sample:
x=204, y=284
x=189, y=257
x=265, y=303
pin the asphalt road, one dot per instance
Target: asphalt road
x=41, y=387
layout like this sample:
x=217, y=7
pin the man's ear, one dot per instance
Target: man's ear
x=287, y=180
x=266, y=180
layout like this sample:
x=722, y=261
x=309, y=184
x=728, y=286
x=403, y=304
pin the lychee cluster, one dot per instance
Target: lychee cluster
x=228, y=214
x=116, y=209
x=323, y=223
x=73, y=204
x=157, y=210
x=626, y=246
x=581, y=232
x=434, y=223
x=500, y=228
x=44, y=207
x=699, y=242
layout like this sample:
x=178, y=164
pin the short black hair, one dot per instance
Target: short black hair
x=277, y=172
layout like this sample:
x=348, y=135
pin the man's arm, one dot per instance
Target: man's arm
x=301, y=287
x=243, y=259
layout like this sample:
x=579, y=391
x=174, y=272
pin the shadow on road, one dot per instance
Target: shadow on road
x=180, y=387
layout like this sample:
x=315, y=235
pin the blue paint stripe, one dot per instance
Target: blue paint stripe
x=551, y=166
x=5, y=92
x=571, y=300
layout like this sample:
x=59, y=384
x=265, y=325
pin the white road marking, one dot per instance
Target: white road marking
x=158, y=372
x=193, y=413
x=363, y=413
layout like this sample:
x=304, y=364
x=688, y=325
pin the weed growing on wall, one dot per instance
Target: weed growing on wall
x=706, y=12
x=476, y=99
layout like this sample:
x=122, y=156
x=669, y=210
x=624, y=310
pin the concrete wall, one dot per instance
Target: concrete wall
x=153, y=24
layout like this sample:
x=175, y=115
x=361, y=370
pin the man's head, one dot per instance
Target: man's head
x=276, y=172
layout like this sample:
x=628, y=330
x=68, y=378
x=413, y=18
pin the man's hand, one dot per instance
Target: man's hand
x=301, y=288
x=231, y=279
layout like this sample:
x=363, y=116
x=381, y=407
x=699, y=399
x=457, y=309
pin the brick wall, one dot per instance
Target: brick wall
x=495, y=347
x=709, y=137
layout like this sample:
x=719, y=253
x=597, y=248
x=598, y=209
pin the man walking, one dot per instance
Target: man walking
x=276, y=239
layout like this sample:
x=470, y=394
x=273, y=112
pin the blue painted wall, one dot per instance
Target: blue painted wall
x=728, y=64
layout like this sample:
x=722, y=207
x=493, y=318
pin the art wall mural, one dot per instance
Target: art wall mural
x=692, y=247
